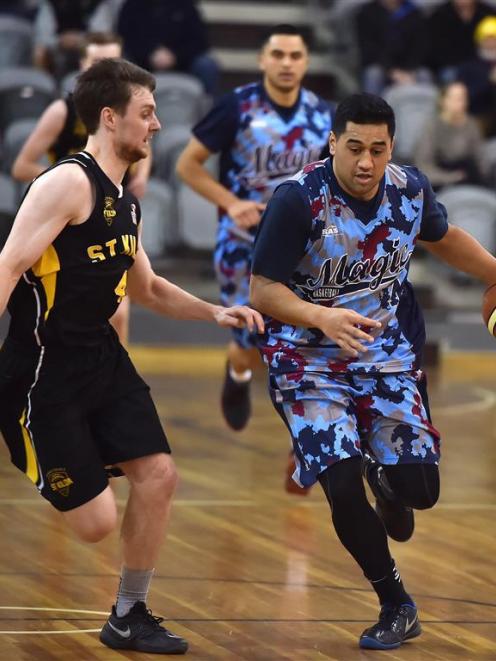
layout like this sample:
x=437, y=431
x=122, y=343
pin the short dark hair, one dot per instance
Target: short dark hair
x=99, y=39
x=109, y=83
x=363, y=109
x=284, y=28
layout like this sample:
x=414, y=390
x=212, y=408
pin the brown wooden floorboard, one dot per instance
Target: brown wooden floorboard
x=252, y=573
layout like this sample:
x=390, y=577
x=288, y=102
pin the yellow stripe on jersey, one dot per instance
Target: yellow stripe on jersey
x=46, y=268
x=31, y=463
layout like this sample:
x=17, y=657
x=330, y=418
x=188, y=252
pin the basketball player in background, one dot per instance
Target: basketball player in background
x=72, y=404
x=344, y=338
x=59, y=132
x=265, y=132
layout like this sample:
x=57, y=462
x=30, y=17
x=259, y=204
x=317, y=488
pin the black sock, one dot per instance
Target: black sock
x=390, y=589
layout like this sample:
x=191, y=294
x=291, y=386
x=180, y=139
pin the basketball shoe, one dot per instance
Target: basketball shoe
x=139, y=630
x=396, y=624
x=235, y=401
x=396, y=517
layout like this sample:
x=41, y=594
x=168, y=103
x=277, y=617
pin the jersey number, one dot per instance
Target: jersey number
x=120, y=290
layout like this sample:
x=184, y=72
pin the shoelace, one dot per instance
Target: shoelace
x=390, y=615
x=152, y=619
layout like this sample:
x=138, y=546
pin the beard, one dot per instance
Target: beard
x=131, y=154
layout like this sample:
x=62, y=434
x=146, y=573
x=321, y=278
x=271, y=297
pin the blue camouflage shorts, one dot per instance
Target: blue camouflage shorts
x=232, y=261
x=335, y=416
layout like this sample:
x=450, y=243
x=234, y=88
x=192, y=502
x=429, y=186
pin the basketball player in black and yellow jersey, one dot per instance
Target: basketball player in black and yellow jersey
x=59, y=132
x=72, y=404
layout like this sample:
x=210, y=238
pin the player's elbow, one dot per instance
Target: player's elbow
x=142, y=296
x=18, y=170
x=182, y=167
x=256, y=298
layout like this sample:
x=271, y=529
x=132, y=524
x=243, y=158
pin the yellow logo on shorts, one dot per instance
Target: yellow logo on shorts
x=109, y=212
x=59, y=481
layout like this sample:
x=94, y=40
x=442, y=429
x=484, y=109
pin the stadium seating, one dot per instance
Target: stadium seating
x=180, y=99
x=16, y=42
x=24, y=92
x=472, y=208
x=413, y=104
x=157, y=210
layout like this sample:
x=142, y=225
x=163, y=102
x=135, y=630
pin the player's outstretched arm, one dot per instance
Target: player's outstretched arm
x=54, y=200
x=340, y=325
x=191, y=168
x=145, y=287
x=460, y=250
x=27, y=165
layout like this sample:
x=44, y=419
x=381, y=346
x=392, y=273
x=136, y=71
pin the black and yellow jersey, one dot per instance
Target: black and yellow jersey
x=67, y=297
x=73, y=136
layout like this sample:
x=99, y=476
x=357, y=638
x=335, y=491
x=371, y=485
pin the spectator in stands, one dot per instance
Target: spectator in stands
x=168, y=35
x=60, y=26
x=391, y=40
x=450, y=150
x=479, y=75
x=26, y=9
x=451, y=35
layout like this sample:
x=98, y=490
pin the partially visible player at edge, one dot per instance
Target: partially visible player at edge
x=265, y=132
x=59, y=132
x=73, y=406
x=344, y=337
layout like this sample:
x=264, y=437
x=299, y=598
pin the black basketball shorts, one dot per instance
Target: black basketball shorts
x=67, y=415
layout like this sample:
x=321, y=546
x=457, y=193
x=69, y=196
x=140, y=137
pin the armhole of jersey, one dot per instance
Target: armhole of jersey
x=93, y=179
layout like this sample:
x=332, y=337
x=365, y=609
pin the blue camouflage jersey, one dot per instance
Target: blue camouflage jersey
x=357, y=264
x=262, y=144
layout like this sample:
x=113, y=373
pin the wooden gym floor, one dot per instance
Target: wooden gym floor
x=248, y=571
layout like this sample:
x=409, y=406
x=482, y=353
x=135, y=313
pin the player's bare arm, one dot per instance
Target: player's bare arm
x=27, y=165
x=341, y=325
x=191, y=168
x=139, y=175
x=461, y=251
x=46, y=210
x=161, y=296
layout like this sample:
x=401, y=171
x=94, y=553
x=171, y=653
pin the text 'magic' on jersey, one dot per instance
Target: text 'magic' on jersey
x=336, y=251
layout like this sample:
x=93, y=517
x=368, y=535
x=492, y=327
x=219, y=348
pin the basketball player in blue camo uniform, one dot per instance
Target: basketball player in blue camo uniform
x=344, y=338
x=264, y=132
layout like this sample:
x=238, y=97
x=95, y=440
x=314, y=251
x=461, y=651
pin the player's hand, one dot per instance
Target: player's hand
x=345, y=328
x=239, y=316
x=163, y=58
x=245, y=213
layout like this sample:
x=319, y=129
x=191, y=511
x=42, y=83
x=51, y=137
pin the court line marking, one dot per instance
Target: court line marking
x=48, y=633
x=46, y=609
x=254, y=503
x=51, y=610
x=487, y=400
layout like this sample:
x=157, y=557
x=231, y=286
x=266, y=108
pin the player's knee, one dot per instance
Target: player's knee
x=96, y=532
x=424, y=498
x=415, y=485
x=162, y=480
x=168, y=481
x=92, y=524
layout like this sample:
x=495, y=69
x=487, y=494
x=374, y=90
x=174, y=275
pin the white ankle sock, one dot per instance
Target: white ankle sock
x=133, y=587
x=240, y=377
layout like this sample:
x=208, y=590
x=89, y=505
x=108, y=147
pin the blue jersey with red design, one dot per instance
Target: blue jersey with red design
x=350, y=257
x=261, y=144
